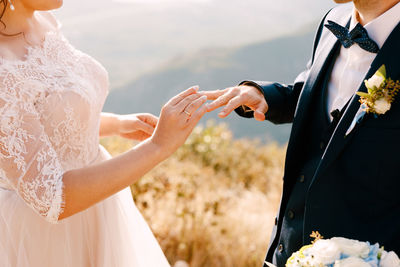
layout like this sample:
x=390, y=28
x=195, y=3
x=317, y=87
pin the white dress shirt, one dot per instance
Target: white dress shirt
x=353, y=63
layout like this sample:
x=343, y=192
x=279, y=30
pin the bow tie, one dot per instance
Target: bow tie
x=358, y=35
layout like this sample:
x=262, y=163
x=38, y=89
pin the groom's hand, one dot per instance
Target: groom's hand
x=248, y=96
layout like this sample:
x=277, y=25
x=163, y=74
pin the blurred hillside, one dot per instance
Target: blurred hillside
x=134, y=37
x=214, y=201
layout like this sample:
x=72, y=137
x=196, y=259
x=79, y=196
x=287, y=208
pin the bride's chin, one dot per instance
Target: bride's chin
x=50, y=5
x=58, y=4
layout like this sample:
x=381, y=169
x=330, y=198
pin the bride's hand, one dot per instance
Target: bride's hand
x=137, y=126
x=86, y=186
x=178, y=118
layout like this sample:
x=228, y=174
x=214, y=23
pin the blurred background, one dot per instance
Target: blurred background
x=154, y=49
x=214, y=201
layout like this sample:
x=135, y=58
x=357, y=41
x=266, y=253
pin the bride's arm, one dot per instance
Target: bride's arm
x=86, y=186
x=109, y=124
x=138, y=126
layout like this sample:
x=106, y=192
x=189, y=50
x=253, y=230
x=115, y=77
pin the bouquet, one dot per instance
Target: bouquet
x=341, y=252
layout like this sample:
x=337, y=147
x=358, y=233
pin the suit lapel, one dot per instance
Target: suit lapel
x=388, y=55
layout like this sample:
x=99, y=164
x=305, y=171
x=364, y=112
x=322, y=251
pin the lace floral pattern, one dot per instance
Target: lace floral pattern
x=50, y=105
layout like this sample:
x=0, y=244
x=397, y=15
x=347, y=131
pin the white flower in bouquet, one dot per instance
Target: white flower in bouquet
x=389, y=259
x=325, y=251
x=351, y=262
x=352, y=247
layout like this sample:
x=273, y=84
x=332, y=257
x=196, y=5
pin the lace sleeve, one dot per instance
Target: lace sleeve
x=27, y=159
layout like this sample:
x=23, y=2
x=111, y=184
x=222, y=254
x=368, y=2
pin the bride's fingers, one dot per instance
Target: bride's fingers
x=138, y=135
x=178, y=98
x=193, y=106
x=198, y=114
x=144, y=127
x=194, y=112
x=143, y=137
x=148, y=118
x=185, y=102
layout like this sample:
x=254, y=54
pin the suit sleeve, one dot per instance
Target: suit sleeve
x=281, y=98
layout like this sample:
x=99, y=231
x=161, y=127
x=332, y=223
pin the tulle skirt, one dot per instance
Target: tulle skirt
x=112, y=233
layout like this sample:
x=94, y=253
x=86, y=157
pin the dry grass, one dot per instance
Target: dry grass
x=213, y=202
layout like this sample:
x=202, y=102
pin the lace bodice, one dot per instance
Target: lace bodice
x=50, y=105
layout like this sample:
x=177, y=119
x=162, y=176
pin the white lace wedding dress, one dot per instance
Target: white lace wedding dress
x=50, y=106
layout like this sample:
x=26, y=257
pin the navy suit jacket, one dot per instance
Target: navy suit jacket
x=355, y=192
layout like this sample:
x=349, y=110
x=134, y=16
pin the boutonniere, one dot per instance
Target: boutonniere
x=379, y=98
x=381, y=93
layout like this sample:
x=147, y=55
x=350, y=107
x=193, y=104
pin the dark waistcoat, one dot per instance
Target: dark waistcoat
x=320, y=128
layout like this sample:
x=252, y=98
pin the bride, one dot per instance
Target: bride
x=63, y=200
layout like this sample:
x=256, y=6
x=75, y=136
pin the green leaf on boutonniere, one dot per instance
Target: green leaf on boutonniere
x=362, y=94
x=382, y=71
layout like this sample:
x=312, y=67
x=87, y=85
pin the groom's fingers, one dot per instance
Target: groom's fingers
x=223, y=99
x=231, y=106
x=259, y=109
x=259, y=113
x=212, y=95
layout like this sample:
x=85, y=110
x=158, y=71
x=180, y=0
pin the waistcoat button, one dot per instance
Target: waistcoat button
x=291, y=214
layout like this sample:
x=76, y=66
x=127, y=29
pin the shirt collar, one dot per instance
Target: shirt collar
x=380, y=28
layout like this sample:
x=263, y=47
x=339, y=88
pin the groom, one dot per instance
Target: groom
x=340, y=179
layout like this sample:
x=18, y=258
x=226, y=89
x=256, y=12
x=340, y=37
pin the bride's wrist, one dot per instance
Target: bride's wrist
x=162, y=151
x=155, y=152
x=117, y=124
x=110, y=124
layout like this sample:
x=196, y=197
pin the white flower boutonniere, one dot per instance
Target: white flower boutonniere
x=381, y=93
x=379, y=98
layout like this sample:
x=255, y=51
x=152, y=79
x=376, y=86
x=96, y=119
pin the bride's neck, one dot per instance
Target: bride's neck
x=21, y=19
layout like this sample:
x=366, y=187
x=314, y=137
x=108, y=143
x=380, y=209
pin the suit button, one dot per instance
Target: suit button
x=280, y=248
x=301, y=179
x=291, y=214
x=276, y=221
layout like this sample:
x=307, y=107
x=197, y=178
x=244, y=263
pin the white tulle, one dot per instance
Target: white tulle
x=50, y=105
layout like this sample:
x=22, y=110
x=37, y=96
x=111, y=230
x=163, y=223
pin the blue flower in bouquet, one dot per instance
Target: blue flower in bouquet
x=374, y=255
